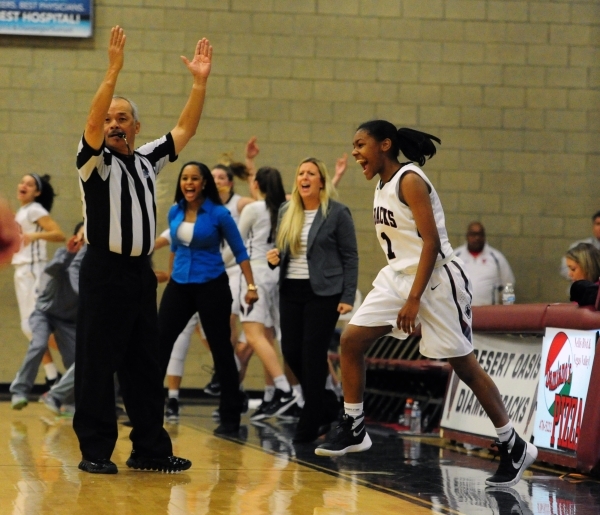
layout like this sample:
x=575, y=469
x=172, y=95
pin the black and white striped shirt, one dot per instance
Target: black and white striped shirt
x=118, y=195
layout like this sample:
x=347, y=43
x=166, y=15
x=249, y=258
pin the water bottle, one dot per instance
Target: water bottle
x=415, y=418
x=404, y=419
x=508, y=294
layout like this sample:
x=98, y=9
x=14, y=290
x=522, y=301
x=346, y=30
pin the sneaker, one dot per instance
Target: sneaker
x=52, y=403
x=169, y=465
x=18, y=401
x=281, y=401
x=292, y=414
x=507, y=500
x=51, y=382
x=259, y=413
x=350, y=436
x=172, y=411
x=512, y=463
x=213, y=388
x=98, y=466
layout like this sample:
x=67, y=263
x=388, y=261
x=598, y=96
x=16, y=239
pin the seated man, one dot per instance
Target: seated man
x=487, y=267
x=55, y=313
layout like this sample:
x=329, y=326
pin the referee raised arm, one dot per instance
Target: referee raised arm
x=117, y=320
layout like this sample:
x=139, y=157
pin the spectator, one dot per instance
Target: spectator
x=55, y=313
x=592, y=240
x=487, y=267
x=583, y=262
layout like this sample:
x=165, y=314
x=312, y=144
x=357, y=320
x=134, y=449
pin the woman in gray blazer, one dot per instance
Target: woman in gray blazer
x=318, y=259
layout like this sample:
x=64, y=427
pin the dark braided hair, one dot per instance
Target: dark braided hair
x=415, y=145
x=270, y=184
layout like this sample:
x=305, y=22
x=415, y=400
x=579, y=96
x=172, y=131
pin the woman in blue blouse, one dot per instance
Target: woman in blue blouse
x=198, y=222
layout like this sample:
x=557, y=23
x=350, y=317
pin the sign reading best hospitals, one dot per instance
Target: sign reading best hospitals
x=64, y=18
x=567, y=358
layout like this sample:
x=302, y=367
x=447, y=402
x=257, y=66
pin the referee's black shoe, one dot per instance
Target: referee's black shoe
x=168, y=465
x=98, y=466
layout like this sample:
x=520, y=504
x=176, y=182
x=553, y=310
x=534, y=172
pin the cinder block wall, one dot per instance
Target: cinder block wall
x=511, y=87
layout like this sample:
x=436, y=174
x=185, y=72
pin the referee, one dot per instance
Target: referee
x=117, y=320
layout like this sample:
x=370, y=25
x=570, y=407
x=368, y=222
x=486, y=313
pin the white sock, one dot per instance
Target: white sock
x=269, y=393
x=281, y=383
x=297, y=389
x=238, y=363
x=353, y=410
x=507, y=434
x=51, y=371
x=173, y=394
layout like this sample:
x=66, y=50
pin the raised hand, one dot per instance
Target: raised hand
x=341, y=165
x=252, y=149
x=116, y=48
x=200, y=65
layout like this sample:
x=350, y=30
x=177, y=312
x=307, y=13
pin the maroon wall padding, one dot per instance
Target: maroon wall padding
x=588, y=445
x=534, y=318
x=516, y=318
x=571, y=316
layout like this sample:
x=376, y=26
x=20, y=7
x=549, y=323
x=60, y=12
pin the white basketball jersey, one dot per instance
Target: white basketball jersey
x=232, y=207
x=395, y=224
x=255, y=228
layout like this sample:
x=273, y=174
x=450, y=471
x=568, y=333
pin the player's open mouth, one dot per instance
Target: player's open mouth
x=362, y=163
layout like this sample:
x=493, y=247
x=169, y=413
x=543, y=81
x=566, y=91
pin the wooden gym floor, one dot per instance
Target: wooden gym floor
x=262, y=472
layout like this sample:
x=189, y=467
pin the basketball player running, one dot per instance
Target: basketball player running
x=422, y=283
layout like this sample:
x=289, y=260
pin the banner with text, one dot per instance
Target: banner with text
x=513, y=362
x=566, y=368
x=57, y=18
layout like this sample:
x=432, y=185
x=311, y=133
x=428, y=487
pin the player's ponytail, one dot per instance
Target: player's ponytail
x=414, y=145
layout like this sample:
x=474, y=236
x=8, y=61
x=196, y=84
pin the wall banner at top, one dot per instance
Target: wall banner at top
x=56, y=18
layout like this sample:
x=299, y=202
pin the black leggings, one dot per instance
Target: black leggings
x=212, y=300
x=307, y=326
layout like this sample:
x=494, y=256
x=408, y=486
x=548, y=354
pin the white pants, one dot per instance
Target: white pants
x=27, y=281
x=181, y=347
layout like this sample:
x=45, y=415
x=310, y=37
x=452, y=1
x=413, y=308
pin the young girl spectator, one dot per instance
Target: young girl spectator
x=423, y=283
x=198, y=222
x=317, y=252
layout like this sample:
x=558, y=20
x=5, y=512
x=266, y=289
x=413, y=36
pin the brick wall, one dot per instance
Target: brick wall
x=511, y=88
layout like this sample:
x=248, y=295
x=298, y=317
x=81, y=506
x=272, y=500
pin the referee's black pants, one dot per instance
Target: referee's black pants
x=117, y=332
x=307, y=325
x=212, y=300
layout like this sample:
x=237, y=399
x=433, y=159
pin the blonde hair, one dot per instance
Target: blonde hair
x=290, y=228
x=588, y=258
